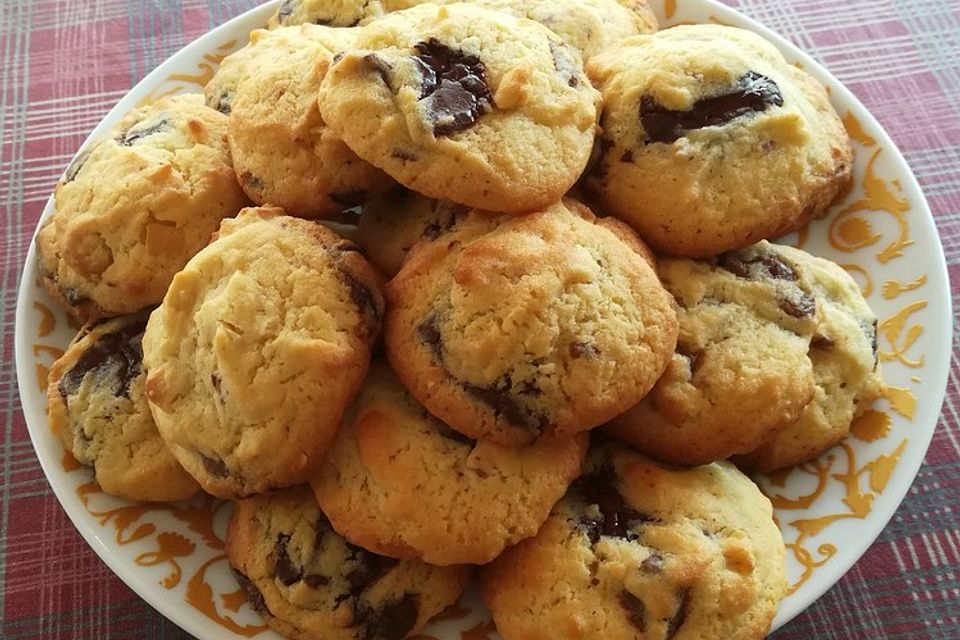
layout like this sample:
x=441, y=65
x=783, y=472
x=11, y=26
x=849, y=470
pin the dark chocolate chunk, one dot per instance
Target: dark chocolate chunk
x=769, y=266
x=454, y=86
x=583, y=350
x=751, y=94
x=564, y=64
x=627, y=156
x=314, y=580
x=217, y=381
x=380, y=66
x=337, y=57
x=364, y=299
x=616, y=517
x=500, y=398
x=215, y=466
x=391, y=621
x=71, y=174
x=140, y=131
x=680, y=616
x=652, y=563
x=283, y=568
x=870, y=331
x=114, y=360
x=368, y=568
x=802, y=307
x=254, y=596
x=429, y=333
x=635, y=609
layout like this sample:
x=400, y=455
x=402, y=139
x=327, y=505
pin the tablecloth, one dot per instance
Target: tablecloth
x=66, y=62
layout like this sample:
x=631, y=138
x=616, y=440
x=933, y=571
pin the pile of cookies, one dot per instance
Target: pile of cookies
x=563, y=226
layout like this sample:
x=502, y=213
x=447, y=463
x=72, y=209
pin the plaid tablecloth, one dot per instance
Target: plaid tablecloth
x=66, y=62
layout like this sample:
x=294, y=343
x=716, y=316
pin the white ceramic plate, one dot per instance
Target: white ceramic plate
x=830, y=510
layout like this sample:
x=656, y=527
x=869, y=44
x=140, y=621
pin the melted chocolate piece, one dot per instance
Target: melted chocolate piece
x=446, y=216
x=499, y=397
x=616, y=517
x=217, y=381
x=283, y=568
x=454, y=86
x=429, y=334
x=680, y=616
x=804, y=306
x=392, y=620
x=71, y=173
x=254, y=596
x=380, y=66
x=751, y=94
x=135, y=135
x=314, y=580
x=627, y=156
x=369, y=567
x=769, y=266
x=583, y=350
x=215, y=466
x=652, y=563
x=115, y=360
x=635, y=609
x=365, y=301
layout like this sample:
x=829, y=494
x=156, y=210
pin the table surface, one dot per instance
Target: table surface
x=66, y=62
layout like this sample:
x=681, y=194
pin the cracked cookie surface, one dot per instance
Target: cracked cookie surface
x=308, y=582
x=463, y=103
x=399, y=482
x=845, y=370
x=508, y=328
x=131, y=210
x=260, y=345
x=96, y=402
x=284, y=153
x=741, y=371
x=639, y=550
x=711, y=141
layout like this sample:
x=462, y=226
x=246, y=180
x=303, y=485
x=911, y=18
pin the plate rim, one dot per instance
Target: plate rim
x=938, y=280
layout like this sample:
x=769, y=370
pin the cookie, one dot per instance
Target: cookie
x=712, y=141
x=308, y=582
x=283, y=151
x=131, y=210
x=639, y=550
x=845, y=371
x=329, y=13
x=97, y=404
x=741, y=371
x=466, y=104
x=393, y=222
x=399, y=482
x=508, y=328
x=257, y=350
x=589, y=26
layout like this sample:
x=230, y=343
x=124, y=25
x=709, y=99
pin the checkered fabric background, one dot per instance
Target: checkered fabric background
x=66, y=62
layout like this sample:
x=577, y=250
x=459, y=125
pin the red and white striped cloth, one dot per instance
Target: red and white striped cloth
x=66, y=62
